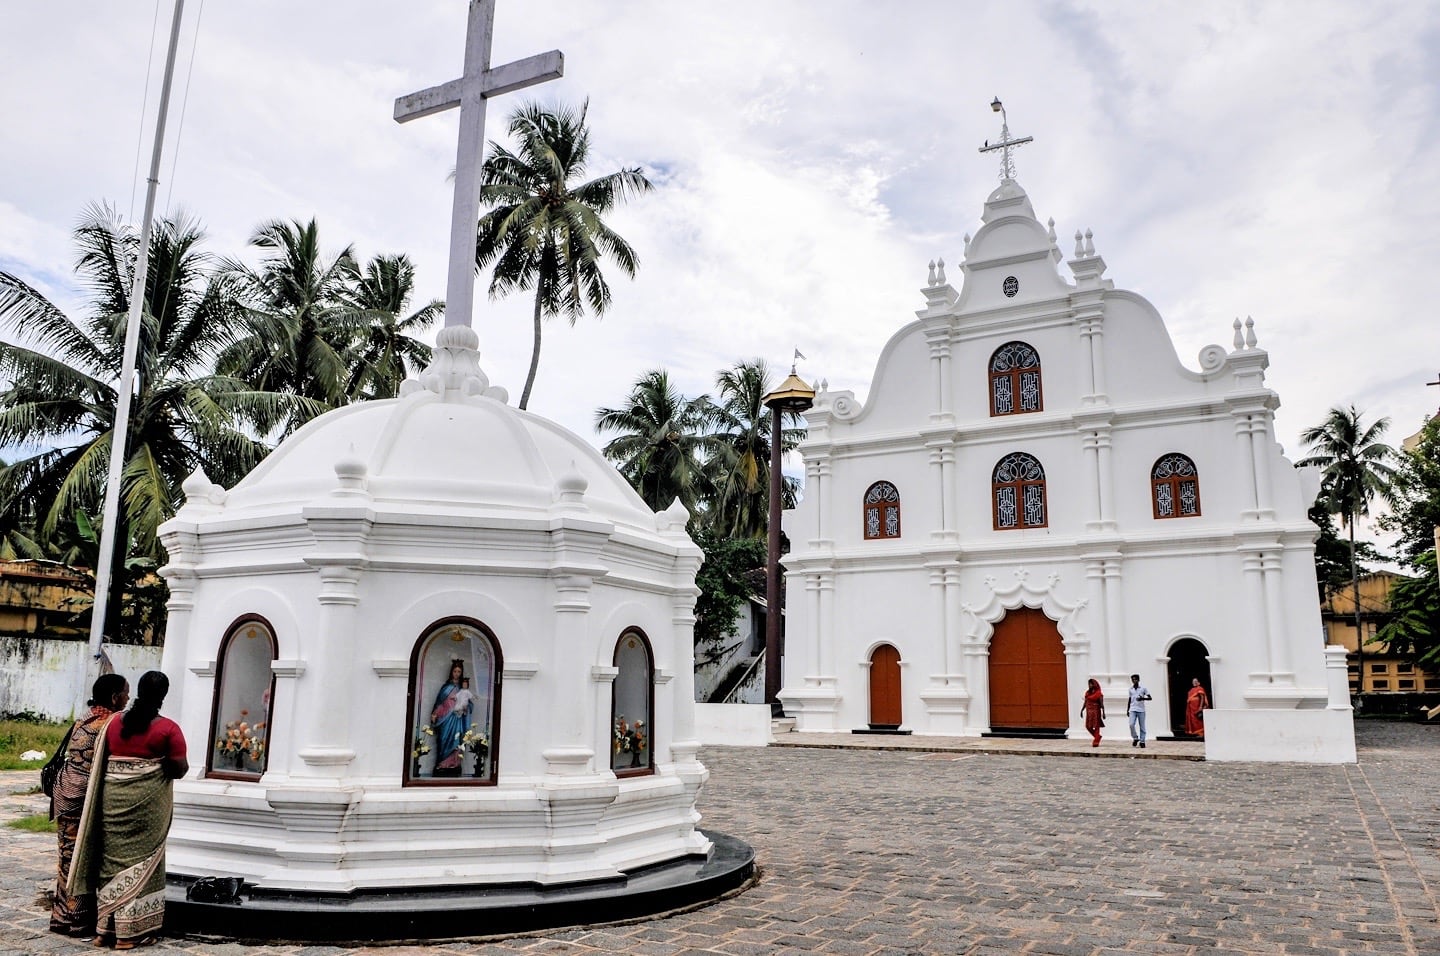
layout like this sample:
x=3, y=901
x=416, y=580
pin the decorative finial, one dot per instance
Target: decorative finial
x=1249, y=332
x=1079, y=244
x=930, y=280
x=1089, y=243
x=1052, y=230
x=824, y=385
x=1006, y=144
x=1239, y=339
x=940, y=271
x=967, y=243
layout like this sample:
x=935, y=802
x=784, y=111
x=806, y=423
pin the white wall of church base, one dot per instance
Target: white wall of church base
x=1280, y=736
x=733, y=725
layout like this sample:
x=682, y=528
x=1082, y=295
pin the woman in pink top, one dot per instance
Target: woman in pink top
x=120, y=851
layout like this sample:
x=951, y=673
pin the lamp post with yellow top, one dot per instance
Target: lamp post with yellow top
x=792, y=397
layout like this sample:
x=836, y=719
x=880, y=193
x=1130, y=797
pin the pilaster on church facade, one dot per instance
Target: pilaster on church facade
x=1036, y=427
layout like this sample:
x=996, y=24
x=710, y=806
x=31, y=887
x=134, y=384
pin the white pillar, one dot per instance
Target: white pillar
x=1114, y=612
x=1259, y=453
x=570, y=749
x=1255, y=607
x=1274, y=612
x=685, y=742
x=1242, y=434
x=1106, y=477
x=825, y=622
x=1337, y=678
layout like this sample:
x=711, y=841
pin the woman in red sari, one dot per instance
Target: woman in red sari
x=75, y=915
x=1094, y=710
x=1195, y=704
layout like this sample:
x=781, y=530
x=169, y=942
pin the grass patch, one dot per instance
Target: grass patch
x=35, y=823
x=18, y=736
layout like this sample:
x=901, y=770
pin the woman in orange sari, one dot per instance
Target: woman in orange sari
x=75, y=915
x=1195, y=704
x=1093, y=710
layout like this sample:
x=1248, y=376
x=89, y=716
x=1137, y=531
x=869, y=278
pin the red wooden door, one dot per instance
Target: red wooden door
x=1027, y=672
x=885, y=687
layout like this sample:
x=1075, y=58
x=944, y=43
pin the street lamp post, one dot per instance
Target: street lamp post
x=792, y=397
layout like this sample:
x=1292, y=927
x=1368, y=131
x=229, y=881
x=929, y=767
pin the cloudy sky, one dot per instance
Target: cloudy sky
x=1278, y=159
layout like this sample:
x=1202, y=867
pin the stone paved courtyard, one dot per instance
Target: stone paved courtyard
x=866, y=851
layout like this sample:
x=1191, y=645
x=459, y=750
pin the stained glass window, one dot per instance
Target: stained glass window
x=244, y=686
x=1015, y=380
x=882, y=511
x=1175, y=487
x=632, y=707
x=454, y=706
x=1019, y=492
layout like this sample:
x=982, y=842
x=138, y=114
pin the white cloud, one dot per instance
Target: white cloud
x=1279, y=160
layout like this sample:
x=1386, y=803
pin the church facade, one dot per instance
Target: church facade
x=1038, y=492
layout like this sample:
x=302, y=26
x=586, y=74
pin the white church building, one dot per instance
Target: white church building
x=1038, y=491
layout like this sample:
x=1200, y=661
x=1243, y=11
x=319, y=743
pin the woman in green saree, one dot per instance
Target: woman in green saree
x=120, y=847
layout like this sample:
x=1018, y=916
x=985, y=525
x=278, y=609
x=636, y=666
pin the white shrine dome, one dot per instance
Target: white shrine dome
x=450, y=444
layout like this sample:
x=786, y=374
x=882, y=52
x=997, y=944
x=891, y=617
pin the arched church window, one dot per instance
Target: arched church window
x=1015, y=380
x=882, y=511
x=1175, y=487
x=1019, y=492
x=632, y=706
x=454, y=724
x=244, y=688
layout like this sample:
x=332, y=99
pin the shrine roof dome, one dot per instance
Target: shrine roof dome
x=449, y=444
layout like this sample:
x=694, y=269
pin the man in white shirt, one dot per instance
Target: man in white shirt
x=1135, y=710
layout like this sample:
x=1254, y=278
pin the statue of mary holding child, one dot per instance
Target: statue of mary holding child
x=450, y=718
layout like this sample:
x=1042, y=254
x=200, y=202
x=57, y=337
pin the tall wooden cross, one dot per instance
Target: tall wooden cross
x=476, y=84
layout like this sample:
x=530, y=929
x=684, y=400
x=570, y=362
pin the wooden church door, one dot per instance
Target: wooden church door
x=885, y=688
x=1027, y=673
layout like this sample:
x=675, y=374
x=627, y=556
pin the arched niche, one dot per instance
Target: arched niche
x=240, y=723
x=632, y=706
x=454, y=706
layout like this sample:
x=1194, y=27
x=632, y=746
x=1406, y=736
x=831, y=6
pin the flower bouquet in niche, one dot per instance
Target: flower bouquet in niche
x=477, y=743
x=630, y=739
x=420, y=747
x=242, y=739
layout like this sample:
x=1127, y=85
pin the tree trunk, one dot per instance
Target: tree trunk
x=534, y=353
x=1355, y=595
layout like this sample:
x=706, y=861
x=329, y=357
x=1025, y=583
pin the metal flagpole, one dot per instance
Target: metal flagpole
x=120, y=433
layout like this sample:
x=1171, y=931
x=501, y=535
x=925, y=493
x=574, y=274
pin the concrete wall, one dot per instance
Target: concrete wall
x=733, y=725
x=51, y=678
x=1280, y=736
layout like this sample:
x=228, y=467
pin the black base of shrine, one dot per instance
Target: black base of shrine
x=881, y=729
x=456, y=912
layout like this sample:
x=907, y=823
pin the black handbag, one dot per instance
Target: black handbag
x=50, y=773
x=216, y=889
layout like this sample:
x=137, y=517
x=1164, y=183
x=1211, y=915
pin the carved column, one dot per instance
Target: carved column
x=685, y=742
x=570, y=749
x=1275, y=624
x=1260, y=455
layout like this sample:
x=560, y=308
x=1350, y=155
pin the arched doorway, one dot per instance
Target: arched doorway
x=885, y=688
x=1027, y=673
x=1188, y=659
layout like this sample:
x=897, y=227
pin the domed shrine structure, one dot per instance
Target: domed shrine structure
x=431, y=642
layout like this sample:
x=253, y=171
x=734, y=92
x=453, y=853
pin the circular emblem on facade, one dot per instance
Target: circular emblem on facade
x=1011, y=286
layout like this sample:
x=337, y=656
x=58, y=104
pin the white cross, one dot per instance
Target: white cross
x=477, y=83
x=1006, y=144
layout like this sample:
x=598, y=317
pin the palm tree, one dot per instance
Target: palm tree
x=384, y=354
x=541, y=232
x=1357, y=470
x=663, y=442
x=741, y=461
x=59, y=406
x=299, y=323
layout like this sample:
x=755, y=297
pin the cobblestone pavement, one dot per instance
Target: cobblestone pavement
x=873, y=851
